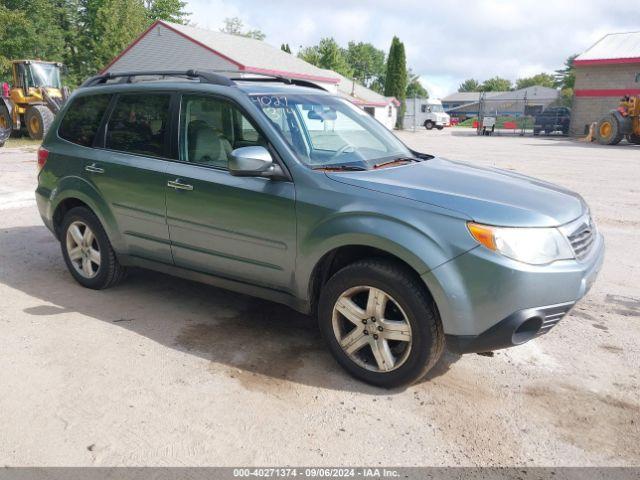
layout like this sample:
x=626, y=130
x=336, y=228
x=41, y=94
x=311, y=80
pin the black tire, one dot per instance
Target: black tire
x=6, y=124
x=633, y=138
x=440, y=127
x=408, y=292
x=610, y=135
x=109, y=272
x=428, y=124
x=38, y=119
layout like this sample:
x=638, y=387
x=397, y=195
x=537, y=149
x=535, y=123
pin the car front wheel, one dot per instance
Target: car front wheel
x=380, y=323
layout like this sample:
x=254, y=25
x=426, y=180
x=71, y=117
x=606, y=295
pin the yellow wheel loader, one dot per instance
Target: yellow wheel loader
x=36, y=95
x=624, y=122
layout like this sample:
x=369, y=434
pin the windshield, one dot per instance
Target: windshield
x=434, y=108
x=327, y=132
x=44, y=75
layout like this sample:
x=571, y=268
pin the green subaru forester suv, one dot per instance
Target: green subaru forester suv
x=275, y=188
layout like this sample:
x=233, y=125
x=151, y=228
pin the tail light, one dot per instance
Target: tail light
x=43, y=154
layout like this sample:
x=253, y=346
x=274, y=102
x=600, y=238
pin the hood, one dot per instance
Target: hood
x=486, y=195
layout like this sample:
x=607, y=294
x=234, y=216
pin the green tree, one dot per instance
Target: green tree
x=15, y=28
x=29, y=29
x=415, y=89
x=496, y=84
x=327, y=54
x=285, y=48
x=115, y=25
x=310, y=55
x=566, y=76
x=168, y=10
x=566, y=97
x=234, y=26
x=396, y=80
x=366, y=61
x=541, y=79
x=469, y=85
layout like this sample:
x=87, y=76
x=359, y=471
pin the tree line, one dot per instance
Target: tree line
x=563, y=79
x=83, y=34
x=387, y=74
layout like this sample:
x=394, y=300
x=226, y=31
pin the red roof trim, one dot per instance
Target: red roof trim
x=240, y=66
x=364, y=103
x=131, y=45
x=607, y=92
x=302, y=76
x=160, y=22
x=606, y=61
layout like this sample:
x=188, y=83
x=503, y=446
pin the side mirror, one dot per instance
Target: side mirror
x=253, y=162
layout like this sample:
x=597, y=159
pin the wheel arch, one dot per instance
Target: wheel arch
x=75, y=192
x=339, y=257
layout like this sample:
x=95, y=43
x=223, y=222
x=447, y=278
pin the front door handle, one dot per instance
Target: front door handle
x=178, y=185
x=93, y=168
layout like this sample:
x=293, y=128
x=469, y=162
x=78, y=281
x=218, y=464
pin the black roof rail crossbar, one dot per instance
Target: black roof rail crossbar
x=278, y=78
x=126, y=77
x=206, y=76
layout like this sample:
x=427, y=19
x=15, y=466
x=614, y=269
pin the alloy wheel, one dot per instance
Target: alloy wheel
x=372, y=329
x=83, y=249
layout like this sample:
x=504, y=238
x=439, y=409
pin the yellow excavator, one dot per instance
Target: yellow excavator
x=33, y=100
x=623, y=122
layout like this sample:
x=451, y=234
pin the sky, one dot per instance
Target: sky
x=446, y=41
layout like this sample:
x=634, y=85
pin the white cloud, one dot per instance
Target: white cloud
x=446, y=42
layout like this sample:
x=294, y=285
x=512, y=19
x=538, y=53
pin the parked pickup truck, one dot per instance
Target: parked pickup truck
x=551, y=120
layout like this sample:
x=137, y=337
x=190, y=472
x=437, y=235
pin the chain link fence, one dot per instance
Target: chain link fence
x=528, y=111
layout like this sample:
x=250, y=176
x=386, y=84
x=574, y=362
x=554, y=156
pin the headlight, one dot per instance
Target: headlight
x=536, y=246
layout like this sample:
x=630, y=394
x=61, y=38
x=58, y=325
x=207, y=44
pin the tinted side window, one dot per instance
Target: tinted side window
x=82, y=120
x=211, y=128
x=139, y=124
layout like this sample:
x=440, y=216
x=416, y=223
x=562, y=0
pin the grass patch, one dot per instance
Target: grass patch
x=22, y=142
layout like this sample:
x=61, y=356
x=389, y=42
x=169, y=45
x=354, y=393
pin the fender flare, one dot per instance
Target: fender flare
x=399, y=239
x=80, y=189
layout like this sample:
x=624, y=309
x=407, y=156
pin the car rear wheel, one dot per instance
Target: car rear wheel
x=87, y=251
x=380, y=323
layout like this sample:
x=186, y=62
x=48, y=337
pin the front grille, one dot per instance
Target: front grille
x=552, y=315
x=582, y=236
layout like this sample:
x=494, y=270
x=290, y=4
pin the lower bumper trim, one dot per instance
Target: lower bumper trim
x=516, y=329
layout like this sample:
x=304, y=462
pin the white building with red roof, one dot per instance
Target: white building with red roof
x=605, y=72
x=170, y=46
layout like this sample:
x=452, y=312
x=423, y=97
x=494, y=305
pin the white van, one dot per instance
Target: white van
x=430, y=114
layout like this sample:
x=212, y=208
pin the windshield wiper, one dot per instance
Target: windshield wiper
x=396, y=161
x=341, y=168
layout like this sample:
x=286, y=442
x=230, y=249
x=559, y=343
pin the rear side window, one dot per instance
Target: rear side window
x=139, y=124
x=82, y=120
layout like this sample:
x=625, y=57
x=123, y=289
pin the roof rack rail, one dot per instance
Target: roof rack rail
x=214, y=77
x=263, y=77
x=126, y=77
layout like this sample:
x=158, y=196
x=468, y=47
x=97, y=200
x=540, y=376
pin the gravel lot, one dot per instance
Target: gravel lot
x=162, y=371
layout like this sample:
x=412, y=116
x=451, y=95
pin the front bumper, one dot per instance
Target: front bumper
x=487, y=301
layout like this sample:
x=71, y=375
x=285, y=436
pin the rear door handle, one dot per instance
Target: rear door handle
x=178, y=185
x=93, y=168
